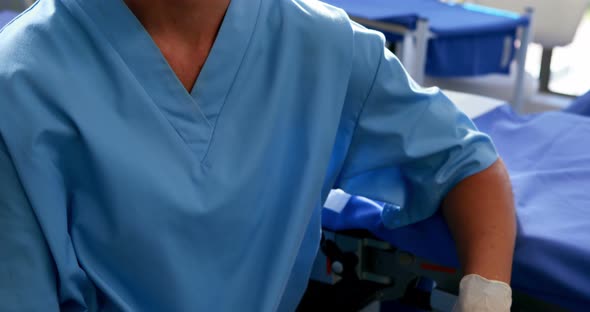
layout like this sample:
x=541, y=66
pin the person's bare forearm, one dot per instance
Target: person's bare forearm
x=481, y=217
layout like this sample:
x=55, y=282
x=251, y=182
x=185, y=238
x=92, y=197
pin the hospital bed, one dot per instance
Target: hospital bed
x=549, y=167
x=448, y=40
x=556, y=24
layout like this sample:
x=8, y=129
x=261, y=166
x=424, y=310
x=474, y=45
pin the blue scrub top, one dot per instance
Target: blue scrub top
x=121, y=191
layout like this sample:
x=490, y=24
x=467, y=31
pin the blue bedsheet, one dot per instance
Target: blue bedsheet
x=470, y=40
x=6, y=16
x=549, y=165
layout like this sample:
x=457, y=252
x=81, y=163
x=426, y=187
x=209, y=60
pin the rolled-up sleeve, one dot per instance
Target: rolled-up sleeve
x=410, y=146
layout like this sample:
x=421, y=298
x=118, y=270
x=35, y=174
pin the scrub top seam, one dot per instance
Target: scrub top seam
x=42, y=229
x=238, y=71
x=294, y=259
x=357, y=119
x=174, y=82
x=144, y=91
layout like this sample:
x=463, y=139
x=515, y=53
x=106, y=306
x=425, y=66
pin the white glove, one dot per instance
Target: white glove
x=478, y=294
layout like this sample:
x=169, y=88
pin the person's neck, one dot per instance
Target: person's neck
x=183, y=30
x=188, y=21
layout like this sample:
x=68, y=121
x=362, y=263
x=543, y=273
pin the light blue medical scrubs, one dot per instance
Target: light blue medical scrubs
x=120, y=191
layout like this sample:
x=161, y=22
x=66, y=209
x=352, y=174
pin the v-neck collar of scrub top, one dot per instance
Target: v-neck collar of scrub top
x=193, y=115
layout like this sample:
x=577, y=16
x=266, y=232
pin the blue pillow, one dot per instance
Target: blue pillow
x=580, y=106
x=6, y=16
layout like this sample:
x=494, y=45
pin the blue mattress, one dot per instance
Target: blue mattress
x=549, y=165
x=580, y=106
x=6, y=16
x=470, y=40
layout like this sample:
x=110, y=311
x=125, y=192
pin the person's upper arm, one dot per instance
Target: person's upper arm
x=27, y=272
x=410, y=145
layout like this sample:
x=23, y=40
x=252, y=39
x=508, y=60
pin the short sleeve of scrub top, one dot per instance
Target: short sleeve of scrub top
x=410, y=145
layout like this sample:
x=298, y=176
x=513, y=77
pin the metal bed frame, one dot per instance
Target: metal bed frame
x=361, y=270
